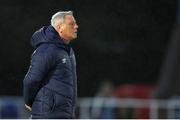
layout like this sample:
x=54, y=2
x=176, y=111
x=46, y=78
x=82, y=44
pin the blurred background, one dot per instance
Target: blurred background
x=127, y=52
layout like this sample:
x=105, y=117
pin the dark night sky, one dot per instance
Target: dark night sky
x=123, y=40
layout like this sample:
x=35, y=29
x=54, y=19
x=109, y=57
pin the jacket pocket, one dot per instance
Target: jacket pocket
x=44, y=102
x=48, y=101
x=63, y=102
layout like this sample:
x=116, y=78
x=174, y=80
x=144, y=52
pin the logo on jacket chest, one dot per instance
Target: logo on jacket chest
x=64, y=60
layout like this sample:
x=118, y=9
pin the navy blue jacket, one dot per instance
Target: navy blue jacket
x=50, y=83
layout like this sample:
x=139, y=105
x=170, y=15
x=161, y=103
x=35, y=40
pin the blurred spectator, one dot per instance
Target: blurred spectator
x=106, y=89
x=169, y=79
x=138, y=91
x=99, y=110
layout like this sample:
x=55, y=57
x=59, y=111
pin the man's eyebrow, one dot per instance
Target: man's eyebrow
x=73, y=22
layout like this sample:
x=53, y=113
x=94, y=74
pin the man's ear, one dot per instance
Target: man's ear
x=58, y=26
x=61, y=27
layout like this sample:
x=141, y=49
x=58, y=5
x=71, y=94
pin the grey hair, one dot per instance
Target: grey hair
x=59, y=17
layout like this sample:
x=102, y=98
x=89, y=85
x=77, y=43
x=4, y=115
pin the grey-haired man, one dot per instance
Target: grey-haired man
x=50, y=85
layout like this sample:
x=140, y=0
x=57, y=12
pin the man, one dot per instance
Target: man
x=50, y=84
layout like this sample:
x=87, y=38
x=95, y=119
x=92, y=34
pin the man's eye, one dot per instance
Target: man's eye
x=72, y=24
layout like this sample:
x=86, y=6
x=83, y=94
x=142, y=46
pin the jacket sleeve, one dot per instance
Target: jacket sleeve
x=41, y=62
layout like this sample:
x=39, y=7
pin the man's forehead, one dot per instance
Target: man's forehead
x=69, y=18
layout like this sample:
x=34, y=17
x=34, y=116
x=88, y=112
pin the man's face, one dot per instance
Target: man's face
x=69, y=28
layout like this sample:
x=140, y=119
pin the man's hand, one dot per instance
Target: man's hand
x=29, y=108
